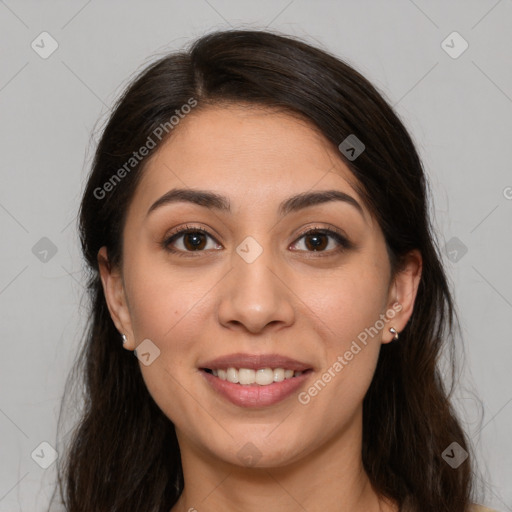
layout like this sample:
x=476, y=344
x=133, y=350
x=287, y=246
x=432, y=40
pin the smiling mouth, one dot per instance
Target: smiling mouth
x=249, y=376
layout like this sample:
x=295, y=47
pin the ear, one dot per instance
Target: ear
x=402, y=293
x=113, y=288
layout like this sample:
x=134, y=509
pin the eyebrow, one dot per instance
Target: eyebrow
x=216, y=201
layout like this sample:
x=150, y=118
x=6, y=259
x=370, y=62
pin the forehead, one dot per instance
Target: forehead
x=254, y=155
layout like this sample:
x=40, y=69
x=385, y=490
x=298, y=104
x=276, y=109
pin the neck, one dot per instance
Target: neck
x=330, y=478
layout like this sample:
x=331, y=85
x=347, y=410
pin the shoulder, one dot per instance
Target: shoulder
x=480, y=508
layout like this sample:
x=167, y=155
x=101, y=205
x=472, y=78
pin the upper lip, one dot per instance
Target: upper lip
x=255, y=361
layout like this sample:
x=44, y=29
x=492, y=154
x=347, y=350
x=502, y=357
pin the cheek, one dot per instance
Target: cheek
x=165, y=307
x=164, y=302
x=346, y=312
x=345, y=304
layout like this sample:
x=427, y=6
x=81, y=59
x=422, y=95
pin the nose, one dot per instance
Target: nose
x=256, y=295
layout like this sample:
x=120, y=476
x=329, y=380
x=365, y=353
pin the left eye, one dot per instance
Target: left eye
x=316, y=240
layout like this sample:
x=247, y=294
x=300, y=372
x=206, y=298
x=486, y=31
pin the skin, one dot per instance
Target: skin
x=305, y=304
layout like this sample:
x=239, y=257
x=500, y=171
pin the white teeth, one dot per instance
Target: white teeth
x=264, y=376
x=232, y=375
x=246, y=376
x=261, y=376
x=278, y=375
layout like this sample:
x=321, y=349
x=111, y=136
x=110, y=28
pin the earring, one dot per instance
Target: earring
x=124, y=338
x=392, y=330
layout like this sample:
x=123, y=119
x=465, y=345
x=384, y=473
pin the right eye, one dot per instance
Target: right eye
x=192, y=240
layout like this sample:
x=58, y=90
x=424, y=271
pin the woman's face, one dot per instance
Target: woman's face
x=249, y=291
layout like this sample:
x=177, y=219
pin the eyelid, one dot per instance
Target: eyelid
x=328, y=228
x=184, y=229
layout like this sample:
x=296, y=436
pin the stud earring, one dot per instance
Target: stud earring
x=392, y=330
x=124, y=338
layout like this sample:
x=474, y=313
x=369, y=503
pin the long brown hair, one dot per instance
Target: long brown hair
x=123, y=454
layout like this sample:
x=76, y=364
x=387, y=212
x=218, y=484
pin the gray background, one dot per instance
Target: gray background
x=459, y=111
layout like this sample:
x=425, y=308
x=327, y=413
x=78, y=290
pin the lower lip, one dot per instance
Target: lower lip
x=254, y=395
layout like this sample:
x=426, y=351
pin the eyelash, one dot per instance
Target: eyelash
x=344, y=243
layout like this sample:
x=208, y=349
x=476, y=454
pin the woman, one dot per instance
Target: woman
x=257, y=231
